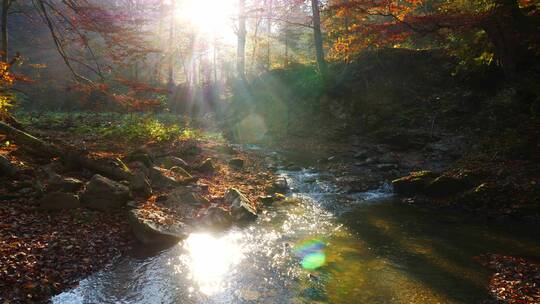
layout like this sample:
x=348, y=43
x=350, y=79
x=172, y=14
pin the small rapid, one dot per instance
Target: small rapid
x=370, y=248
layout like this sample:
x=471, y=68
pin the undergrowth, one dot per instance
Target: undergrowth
x=115, y=126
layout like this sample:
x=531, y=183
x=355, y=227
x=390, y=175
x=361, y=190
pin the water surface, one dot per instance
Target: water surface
x=321, y=247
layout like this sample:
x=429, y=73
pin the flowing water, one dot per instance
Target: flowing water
x=323, y=246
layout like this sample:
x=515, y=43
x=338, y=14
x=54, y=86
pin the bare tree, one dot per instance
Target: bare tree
x=5, y=11
x=241, y=51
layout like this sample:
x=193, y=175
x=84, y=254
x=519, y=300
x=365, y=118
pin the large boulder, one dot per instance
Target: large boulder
x=413, y=183
x=139, y=185
x=149, y=232
x=103, y=194
x=242, y=208
x=160, y=179
x=186, y=202
x=66, y=184
x=59, y=201
x=216, y=218
x=447, y=185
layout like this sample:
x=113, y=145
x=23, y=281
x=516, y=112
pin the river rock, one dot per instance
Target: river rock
x=241, y=207
x=237, y=163
x=216, y=218
x=447, y=185
x=371, y=160
x=362, y=154
x=104, y=194
x=170, y=161
x=207, y=166
x=266, y=199
x=6, y=168
x=59, y=201
x=413, y=183
x=279, y=185
x=148, y=232
x=185, y=201
x=293, y=167
x=139, y=185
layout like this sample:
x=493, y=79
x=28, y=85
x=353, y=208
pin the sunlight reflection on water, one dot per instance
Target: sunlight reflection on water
x=210, y=259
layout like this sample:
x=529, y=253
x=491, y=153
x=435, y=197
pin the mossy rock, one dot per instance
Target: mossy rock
x=447, y=185
x=413, y=183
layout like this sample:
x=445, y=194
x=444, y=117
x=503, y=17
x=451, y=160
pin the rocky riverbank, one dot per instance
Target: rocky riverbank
x=61, y=222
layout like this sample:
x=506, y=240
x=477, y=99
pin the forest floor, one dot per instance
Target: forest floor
x=45, y=252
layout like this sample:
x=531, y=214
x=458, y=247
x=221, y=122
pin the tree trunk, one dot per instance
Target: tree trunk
x=321, y=62
x=215, y=62
x=171, y=46
x=241, y=52
x=5, y=9
x=268, y=33
x=507, y=28
x=255, y=45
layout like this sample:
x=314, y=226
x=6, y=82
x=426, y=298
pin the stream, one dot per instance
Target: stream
x=321, y=246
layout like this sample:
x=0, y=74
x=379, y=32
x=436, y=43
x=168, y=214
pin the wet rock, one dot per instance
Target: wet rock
x=216, y=218
x=237, y=163
x=293, y=167
x=207, y=166
x=139, y=185
x=266, y=199
x=413, y=183
x=362, y=154
x=104, y=194
x=371, y=160
x=6, y=168
x=68, y=184
x=170, y=161
x=280, y=185
x=447, y=185
x=59, y=201
x=242, y=208
x=148, y=232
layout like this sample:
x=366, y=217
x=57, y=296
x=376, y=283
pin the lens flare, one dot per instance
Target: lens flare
x=312, y=254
